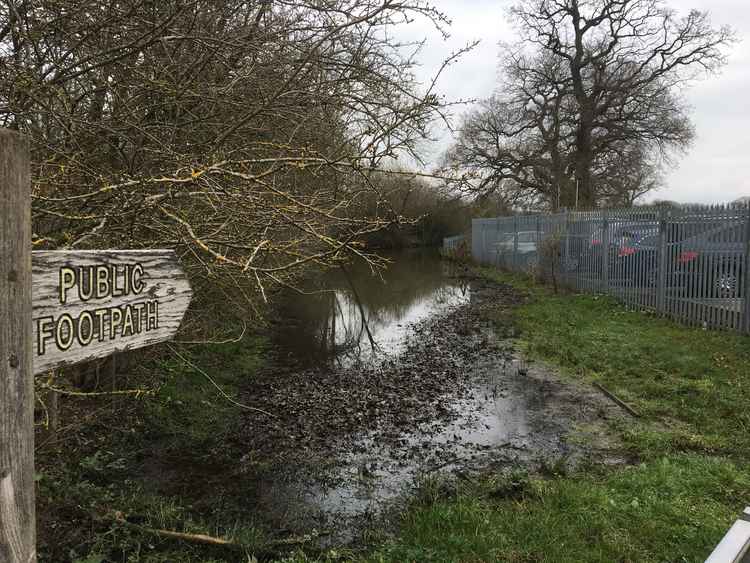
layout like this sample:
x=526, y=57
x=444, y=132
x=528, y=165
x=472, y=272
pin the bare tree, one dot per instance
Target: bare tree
x=625, y=59
x=240, y=132
x=518, y=141
x=590, y=112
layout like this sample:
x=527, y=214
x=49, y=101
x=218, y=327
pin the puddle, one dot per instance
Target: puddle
x=439, y=395
x=362, y=318
x=388, y=329
x=500, y=424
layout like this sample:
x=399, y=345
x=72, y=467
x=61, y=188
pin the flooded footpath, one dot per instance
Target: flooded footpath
x=380, y=384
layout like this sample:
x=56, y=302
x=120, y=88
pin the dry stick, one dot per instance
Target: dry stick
x=53, y=413
x=113, y=377
x=181, y=536
x=192, y=538
x=617, y=399
x=226, y=341
x=206, y=539
x=137, y=392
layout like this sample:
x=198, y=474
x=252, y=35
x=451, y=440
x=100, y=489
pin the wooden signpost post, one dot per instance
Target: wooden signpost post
x=59, y=308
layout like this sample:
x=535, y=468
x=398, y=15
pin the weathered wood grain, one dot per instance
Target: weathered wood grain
x=17, y=521
x=161, y=280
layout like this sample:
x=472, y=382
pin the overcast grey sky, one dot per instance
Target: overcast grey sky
x=715, y=170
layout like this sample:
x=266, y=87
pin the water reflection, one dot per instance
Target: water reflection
x=501, y=419
x=503, y=423
x=364, y=317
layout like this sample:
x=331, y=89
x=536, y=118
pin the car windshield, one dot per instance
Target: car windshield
x=628, y=237
x=636, y=235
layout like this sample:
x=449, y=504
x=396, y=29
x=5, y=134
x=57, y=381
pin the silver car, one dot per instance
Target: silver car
x=527, y=241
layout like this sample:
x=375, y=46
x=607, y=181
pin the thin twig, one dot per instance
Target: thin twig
x=219, y=389
x=137, y=392
x=227, y=341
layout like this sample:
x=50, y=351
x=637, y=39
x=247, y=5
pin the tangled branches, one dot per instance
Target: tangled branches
x=242, y=133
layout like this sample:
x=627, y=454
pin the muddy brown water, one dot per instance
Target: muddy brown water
x=361, y=308
x=380, y=384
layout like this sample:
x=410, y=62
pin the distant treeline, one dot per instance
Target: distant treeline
x=424, y=214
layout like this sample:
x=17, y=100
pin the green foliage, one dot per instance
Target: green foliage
x=94, y=558
x=188, y=410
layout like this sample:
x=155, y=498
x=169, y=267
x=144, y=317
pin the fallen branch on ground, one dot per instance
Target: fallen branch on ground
x=204, y=539
x=617, y=399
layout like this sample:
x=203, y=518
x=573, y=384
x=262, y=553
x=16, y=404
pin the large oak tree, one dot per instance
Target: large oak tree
x=589, y=105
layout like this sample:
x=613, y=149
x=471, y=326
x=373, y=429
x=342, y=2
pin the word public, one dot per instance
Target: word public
x=96, y=282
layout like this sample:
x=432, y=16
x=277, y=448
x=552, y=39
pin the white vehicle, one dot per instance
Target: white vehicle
x=526, y=242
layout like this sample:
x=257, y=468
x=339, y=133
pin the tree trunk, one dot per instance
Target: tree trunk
x=584, y=153
x=584, y=157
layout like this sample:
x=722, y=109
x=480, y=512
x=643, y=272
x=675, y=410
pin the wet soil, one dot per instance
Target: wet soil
x=414, y=378
x=450, y=395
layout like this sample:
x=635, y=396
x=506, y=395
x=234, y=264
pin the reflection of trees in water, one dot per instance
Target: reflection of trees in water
x=337, y=323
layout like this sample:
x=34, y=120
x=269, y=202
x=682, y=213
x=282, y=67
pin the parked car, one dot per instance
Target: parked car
x=634, y=254
x=621, y=235
x=526, y=242
x=714, y=259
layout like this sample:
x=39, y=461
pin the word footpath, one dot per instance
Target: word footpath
x=99, y=282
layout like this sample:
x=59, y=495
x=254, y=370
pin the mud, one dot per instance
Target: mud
x=449, y=394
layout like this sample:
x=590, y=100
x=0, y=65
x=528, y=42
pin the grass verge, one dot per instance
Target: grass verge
x=691, y=444
x=670, y=509
x=155, y=462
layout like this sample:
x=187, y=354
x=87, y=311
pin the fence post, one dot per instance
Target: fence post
x=746, y=273
x=537, y=242
x=515, y=243
x=566, y=260
x=605, y=252
x=496, y=238
x=17, y=520
x=484, y=253
x=661, y=272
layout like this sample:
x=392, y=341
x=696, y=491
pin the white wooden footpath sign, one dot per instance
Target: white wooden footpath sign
x=59, y=308
x=88, y=304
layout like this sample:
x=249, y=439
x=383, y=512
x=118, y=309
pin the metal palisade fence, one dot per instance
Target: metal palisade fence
x=455, y=247
x=689, y=263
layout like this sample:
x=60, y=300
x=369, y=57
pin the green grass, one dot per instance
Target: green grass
x=158, y=461
x=672, y=509
x=188, y=411
x=692, y=388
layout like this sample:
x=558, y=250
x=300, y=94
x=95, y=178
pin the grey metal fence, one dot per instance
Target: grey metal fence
x=689, y=263
x=455, y=246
